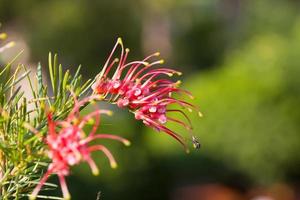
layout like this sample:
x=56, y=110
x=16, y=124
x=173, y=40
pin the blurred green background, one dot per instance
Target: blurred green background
x=241, y=59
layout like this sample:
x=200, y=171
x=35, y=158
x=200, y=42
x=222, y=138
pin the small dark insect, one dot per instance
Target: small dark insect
x=196, y=143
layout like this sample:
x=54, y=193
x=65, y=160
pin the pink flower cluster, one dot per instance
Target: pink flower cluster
x=144, y=89
x=68, y=144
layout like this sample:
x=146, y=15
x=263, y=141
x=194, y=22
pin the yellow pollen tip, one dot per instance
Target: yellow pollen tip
x=110, y=113
x=116, y=59
x=3, y=36
x=127, y=143
x=170, y=74
x=161, y=62
x=10, y=44
x=67, y=197
x=178, y=82
x=146, y=63
x=113, y=165
x=95, y=172
x=119, y=40
x=179, y=73
x=190, y=110
x=127, y=50
x=157, y=54
x=31, y=197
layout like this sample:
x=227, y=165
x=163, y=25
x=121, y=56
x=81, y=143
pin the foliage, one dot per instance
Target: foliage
x=22, y=152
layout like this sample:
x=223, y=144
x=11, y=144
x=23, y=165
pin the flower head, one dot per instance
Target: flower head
x=68, y=144
x=145, y=90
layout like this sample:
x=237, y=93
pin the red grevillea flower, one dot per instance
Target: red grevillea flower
x=145, y=90
x=68, y=144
